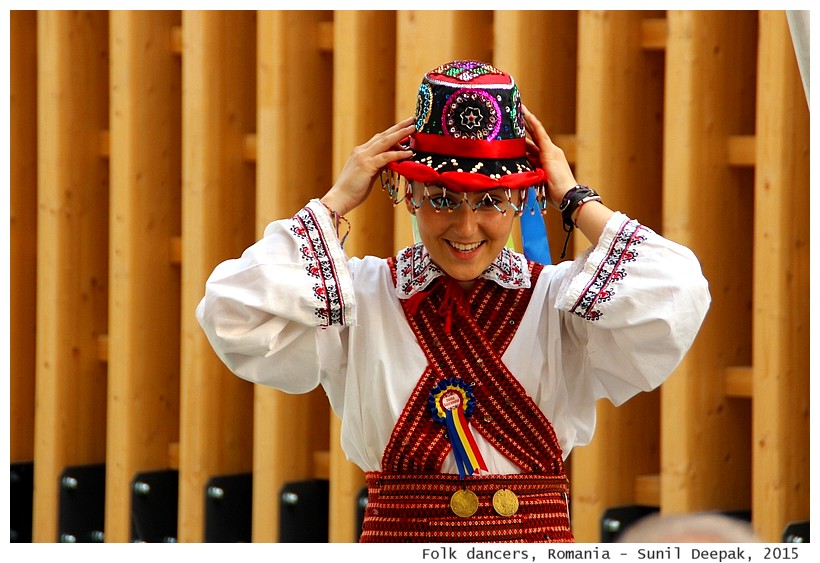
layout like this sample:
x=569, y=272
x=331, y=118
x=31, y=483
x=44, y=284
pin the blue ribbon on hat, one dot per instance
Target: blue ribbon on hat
x=533, y=232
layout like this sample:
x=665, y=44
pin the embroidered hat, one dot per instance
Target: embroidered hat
x=469, y=134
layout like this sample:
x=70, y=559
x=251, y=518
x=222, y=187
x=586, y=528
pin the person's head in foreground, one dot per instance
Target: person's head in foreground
x=689, y=528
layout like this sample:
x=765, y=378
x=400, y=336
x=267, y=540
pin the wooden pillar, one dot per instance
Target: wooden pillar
x=364, y=85
x=781, y=287
x=618, y=152
x=426, y=39
x=293, y=165
x=144, y=324
x=218, y=112
x=364, y=54
x=72, y=252
x=709, y=206
x=23, y=231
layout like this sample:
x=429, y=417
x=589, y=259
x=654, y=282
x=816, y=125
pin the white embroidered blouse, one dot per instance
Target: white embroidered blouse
x=294, y=312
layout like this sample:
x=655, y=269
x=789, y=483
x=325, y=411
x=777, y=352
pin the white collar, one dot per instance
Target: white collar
x=415, y=270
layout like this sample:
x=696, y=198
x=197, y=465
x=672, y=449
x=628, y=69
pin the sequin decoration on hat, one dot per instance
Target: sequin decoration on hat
x=470, y=134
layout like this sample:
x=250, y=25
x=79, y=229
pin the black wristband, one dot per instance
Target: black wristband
x=571, y=200
x=574, y=198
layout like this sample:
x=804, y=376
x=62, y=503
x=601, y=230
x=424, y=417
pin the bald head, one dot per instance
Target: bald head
x=689, y=528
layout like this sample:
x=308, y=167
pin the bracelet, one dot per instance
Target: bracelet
x=336, y=217
x=581, y=204
x=572, y=202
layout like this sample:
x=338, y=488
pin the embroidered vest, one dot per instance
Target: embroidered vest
x=410, y=499
x=505, y=415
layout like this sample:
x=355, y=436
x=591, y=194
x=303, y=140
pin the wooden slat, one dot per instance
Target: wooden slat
x=618, y=151
x=72, y=240
x=293, y=137
x=105, y=143
x=321, y=465
x=648, y=490
x=709, y=76
x=249, y=146
x=739, y=381
x=175, y=40
x=324, y=36
x=173, y=455
x=102, y=347
x=653, y=34
x=175, y=250
x=741, y=150
x=22, y=231
x=218, y=110
x=144, y=325
x=781, y=320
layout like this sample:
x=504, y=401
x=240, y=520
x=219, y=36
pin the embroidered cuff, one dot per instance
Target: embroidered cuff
x=325, y=264
x=595, y=274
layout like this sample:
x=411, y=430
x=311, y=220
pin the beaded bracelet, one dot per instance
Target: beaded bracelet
x=336, y=217
x=572, y=202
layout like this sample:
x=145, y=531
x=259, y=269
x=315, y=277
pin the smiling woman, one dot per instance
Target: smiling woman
x=463, y=373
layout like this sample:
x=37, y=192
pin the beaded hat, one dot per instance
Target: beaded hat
x=469, y=134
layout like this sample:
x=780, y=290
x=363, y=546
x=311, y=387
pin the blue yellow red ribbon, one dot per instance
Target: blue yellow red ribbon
x=452, y=403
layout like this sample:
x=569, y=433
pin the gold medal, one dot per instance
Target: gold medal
x=464, y=503
x=505, y=502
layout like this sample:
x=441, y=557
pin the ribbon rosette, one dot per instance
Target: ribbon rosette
x=452, y=403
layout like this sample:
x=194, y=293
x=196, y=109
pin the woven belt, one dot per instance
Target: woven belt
x=442, y=507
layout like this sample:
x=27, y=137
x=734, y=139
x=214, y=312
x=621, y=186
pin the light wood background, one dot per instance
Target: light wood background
x=148, y=146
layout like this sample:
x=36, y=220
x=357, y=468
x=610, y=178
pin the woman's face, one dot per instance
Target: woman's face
x=463, y=242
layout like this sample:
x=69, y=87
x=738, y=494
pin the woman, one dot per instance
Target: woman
x=463, y=373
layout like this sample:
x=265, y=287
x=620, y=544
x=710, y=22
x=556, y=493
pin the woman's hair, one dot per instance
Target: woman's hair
x=689, y=528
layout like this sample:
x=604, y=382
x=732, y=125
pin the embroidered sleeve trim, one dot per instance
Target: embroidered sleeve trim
x=611, y=269
x=325, y=264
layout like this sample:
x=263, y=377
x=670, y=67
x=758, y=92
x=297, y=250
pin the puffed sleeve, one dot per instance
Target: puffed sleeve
x=261, y=311
x=635, y=302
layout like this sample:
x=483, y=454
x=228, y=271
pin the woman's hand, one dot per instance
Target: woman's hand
x=592, y=217
x=560, y=178
x=356, y=179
